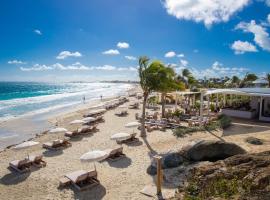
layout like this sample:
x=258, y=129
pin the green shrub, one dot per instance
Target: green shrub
x=212, y=107
x=225, y=121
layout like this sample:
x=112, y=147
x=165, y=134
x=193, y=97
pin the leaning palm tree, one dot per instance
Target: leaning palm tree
x=267, y=78
x=143, y=65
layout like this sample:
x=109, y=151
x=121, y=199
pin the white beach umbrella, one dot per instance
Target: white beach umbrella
x=25, y=145
x=132, y=125
x=94, y=156
x=120, y=136
x=58, y=130
x=77, y=122
x=89, y=119
x=123, y=106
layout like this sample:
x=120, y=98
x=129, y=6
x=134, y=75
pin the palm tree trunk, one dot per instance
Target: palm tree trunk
x=163, y=101
x=143, y=132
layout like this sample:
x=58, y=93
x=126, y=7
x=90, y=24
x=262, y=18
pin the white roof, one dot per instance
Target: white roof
x=241, y=91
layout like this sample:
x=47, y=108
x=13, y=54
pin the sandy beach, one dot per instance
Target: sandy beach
x=122, y=179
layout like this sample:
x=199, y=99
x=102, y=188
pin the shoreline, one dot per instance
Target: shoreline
x=44, y=122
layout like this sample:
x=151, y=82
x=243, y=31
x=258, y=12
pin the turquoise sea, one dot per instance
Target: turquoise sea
x=29, y=98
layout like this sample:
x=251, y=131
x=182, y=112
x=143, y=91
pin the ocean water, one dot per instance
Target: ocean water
x=18, y=99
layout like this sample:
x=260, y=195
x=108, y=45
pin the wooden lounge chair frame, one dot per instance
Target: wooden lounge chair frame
x=51, y=146
x=131, y=140
x=38, y=161
x=87, y=181
x=23, y=166
x=116, y=154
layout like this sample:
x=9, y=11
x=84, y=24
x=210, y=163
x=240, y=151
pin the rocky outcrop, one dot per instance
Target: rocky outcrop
x=208, y=150
x=169, y=160
x=253, y=140
x=244, y=176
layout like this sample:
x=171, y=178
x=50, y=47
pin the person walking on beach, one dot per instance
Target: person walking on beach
x=101, y=97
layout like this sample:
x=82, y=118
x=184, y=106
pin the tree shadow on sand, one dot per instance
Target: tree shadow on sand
x=121, y=163
x=14, y=178
x=95, y=193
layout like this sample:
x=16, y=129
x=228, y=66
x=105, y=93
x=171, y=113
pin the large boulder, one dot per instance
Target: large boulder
x=208, y=150
x=169, y=160
x=172, y=160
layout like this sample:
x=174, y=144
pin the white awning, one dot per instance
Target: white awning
x=261, y=92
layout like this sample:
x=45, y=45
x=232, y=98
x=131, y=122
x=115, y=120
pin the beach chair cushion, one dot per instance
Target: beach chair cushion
x=18, y=163
x=77, y=176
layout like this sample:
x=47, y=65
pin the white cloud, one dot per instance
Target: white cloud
x=37, y=67
x=170, y=54
x=261, y=37
x=181, y=55
x=130, y=57
x=16, y=62
x=111, y=52
x=268, y=17
x=122, y=45
x=241, y=47
x=37, y=32
x=206, y=11
x=106, y=67
x=195, y=50
x=65, y=54
x=76, y=67
x=267, y=2
x=183, y=62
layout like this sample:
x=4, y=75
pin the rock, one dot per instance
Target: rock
x=169, y=160
x=253, y=140
x=172, y=160
x=208, y=150
x=243, y=176
x=152, y=170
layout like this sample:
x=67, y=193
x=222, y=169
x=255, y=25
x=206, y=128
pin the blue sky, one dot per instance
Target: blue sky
x=75, y=40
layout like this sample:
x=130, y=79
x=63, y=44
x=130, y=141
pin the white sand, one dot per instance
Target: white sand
x=122, y=179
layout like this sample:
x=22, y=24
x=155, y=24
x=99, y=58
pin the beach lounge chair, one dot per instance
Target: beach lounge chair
x=87, y=129
x=20, y=166
x=115, y=154
x=72, y=134
x=121, y=113
x=56, y=144
x=131, y=140
x=37, y=161
x=80, y=179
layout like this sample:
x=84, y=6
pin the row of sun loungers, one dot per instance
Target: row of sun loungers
x=84, y=130
x=57, y=144
x=121, y=113
x=25, y=164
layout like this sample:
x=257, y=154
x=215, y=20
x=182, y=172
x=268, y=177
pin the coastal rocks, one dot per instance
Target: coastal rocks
x=172, y=160
x=169, y=160
x=243, y=176
x=253, y=140
x=208, y=150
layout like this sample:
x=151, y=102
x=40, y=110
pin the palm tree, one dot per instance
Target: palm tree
x=167, y=83
x=248, y=79
x=187, y=78
x=267, y=78
x=235, y=81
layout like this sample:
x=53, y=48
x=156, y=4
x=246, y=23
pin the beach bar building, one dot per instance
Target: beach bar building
x=258, y=106
x=230, y=102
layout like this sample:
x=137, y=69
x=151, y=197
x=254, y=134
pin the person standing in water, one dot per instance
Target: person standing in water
x=101, y=97
x=83, y=99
